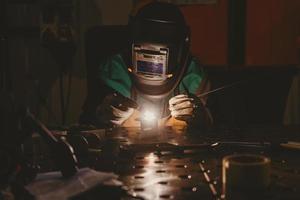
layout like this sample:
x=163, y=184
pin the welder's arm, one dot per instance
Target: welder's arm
x=115, y=109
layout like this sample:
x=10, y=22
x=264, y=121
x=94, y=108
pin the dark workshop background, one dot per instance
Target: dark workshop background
x=245, y=33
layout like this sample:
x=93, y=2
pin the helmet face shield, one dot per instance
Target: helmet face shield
x=150, y=61
x=160, y=48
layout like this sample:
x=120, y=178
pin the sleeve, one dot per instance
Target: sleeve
x=110, y=76
x=192, y=78
x=197, y=83
x=114, y=74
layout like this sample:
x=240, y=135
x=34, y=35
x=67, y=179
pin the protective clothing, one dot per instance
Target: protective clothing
x=115, y=75
x=159, y=66
x=181, y=106
x=115, y=109
x=185, y=107
x=120, y=116
x=160, y=43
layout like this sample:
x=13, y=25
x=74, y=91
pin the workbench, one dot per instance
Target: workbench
x=179, y=163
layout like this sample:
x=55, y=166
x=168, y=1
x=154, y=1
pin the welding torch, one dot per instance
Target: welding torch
x=122, y=102
x=148, y=119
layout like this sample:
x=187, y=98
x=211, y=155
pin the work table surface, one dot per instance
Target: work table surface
x=179, y=163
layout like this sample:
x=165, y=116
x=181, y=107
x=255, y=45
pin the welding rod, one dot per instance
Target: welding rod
x=221, y=88
x=133, y=104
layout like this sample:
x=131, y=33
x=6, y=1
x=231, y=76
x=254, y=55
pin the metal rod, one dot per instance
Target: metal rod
x=221, y=88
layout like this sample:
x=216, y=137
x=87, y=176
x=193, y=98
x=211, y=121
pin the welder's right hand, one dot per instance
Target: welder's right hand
x=115, y=109
x=119, y=116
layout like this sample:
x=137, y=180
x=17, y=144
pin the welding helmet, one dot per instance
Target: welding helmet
x=160, y=42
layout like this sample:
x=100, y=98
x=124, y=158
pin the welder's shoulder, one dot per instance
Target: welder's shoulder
x=113, y=68
x=114, y=74
x=194, y=73
x=195, y=66
x=113, y=63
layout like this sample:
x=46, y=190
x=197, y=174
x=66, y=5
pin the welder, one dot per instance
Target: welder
x=157, y=75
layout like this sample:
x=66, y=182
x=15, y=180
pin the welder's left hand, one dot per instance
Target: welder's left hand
x=184, y=107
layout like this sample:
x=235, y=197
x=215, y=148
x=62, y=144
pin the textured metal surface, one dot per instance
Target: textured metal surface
x=186, y=164
x=171, y=164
